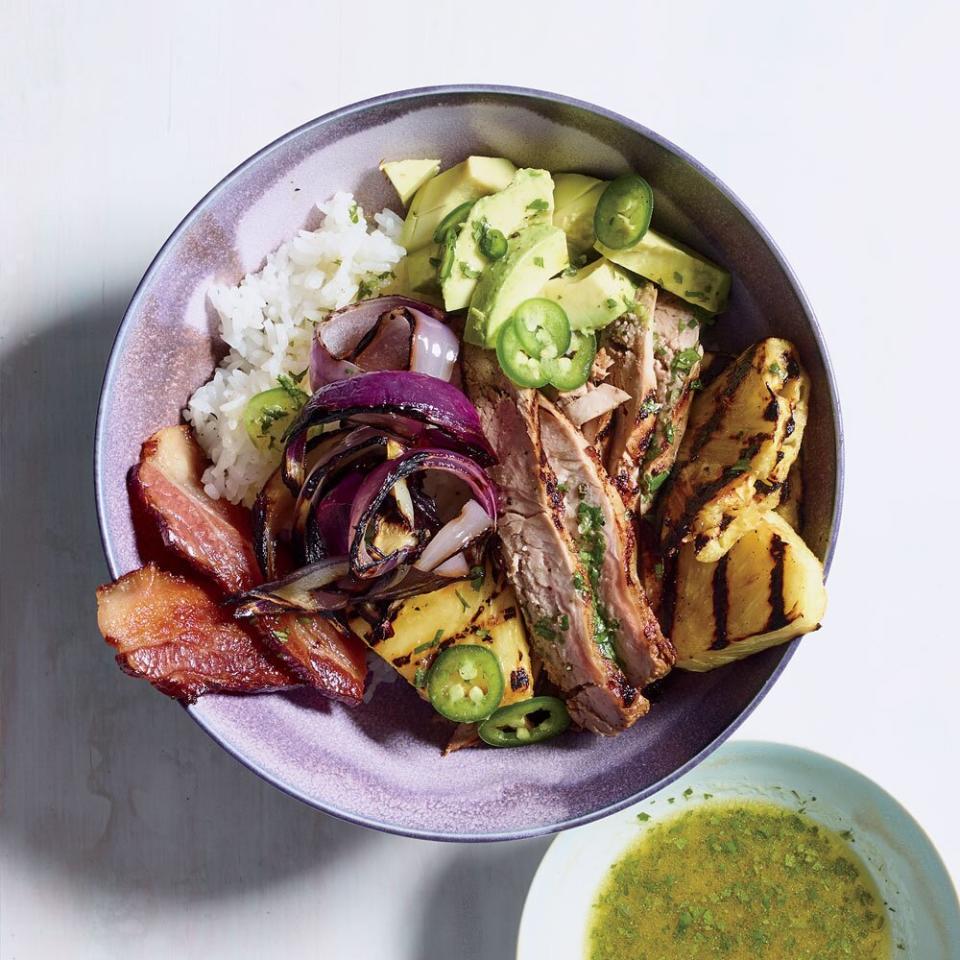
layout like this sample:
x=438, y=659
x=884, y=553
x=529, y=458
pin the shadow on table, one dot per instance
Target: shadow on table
x=103, y=778
x=473, y=907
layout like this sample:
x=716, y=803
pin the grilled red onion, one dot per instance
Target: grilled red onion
x=466, y=528
x=388, y=333
x=378, y=485
x=418, y=408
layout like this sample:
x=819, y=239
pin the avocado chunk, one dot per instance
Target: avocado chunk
x=533, y=256
x=594, y=296
x=422, y=269
x=575, y=198
x=474, y=178
x=676, y=268
x=527, y=199
x=408, y=176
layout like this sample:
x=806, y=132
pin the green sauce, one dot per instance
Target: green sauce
x=736, y=880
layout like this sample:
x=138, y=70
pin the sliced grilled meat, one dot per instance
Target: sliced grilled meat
x=596, y=521
x=171, y=632
x=214, y=537
x=661, y=359
x=629, y=343
x=542, y=558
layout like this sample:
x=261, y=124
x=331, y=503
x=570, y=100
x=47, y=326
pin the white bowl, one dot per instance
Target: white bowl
x=908, y=871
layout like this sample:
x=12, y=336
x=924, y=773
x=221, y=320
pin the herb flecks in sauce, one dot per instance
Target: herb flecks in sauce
x=739, y=880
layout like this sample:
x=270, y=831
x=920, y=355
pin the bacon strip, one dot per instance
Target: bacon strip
x=170, y=632
x=213, y=536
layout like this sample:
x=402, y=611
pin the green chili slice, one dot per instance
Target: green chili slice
x=623, y=212
x=268, y=413
x=526, y=722
x=522, y=367
x=493, y=244
x=465, y=683
x=451, y=221
x=573, y=369
x=542, y=327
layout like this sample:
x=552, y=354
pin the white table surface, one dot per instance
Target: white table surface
x=125, y=831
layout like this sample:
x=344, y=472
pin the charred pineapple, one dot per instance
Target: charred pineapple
x=743, y=437
x=483, y=611
x=767, y=589
x=791, y=497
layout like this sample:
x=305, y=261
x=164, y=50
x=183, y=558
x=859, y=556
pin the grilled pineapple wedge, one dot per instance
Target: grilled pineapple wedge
x=791, y=500
x=743, y=436
x=414, y=631
x=766, y=590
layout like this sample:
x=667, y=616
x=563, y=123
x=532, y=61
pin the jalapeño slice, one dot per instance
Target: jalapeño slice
x=523, y=368
x=452, y=220
x=623, y=212
x=572, y=370
x=526, y=722
x=542, y=327
x=465, y=683
x=268, y=413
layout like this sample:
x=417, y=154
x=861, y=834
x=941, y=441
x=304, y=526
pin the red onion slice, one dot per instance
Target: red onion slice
x=377, y=486
x=456, y=568
x=451, y=539
x=387, y=333
x=406, y=402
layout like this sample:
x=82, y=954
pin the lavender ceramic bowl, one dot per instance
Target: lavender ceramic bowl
x=380, y=765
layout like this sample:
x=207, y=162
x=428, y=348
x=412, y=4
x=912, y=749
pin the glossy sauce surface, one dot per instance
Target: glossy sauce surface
x=739, y=880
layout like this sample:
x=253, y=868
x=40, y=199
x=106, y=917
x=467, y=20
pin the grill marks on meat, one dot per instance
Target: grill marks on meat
x=214, y=538
x=643, y=652
x=542, y=558
x=655, y=355
x=170, y=631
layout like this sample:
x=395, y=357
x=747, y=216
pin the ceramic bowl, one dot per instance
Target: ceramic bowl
x=380, y=764
x=909, y=873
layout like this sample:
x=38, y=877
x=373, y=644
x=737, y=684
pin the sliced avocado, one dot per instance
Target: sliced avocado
x=676, y=268
x=533, y=256
x=422, y=269
x=474, y=178
x=527, y=199
x=594, y=296
x=575, y=199
x=568, y=186
x=408, y=176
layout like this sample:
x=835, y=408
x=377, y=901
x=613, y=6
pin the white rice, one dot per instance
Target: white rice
x=267, y=321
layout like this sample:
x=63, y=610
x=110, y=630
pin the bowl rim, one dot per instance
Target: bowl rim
x=769, y=753
x=507, y=93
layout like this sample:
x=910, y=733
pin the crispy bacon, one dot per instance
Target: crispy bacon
x=171, y=632
x=213, y=536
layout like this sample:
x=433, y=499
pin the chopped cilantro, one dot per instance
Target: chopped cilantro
x=655, y=481
x=469, y=271
x=677, y=276
x=741, y=466
x=658, y=569
x=420, y=678
x=610, y=303
x=668, y=433
x=544, y=628
x=463, y=603
x=477, y=576
x=281, y=635
x=643, y=817
x=774, y=368
x=430, y=643
x=354, y=212
x=538, y=205
x=685, y=360
x=538, y=261
x=290, y=387
x=649, y=407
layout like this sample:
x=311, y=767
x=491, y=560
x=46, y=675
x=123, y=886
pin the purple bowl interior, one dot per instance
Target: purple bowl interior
x=380, y=764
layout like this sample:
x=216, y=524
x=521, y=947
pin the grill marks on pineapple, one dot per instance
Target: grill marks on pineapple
x=721, y=605
x=778, y=616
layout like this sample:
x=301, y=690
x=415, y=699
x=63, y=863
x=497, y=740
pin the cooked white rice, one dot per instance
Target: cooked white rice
x=267, y=321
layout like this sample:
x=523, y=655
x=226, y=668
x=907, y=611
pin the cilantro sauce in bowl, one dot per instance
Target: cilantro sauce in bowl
x=762, y=851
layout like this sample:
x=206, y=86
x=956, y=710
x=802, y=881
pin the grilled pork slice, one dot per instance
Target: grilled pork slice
x=596, y=521
x=745, y=433
x=171, y=632
x=629, y=343
x=542, y=558
x=214, y=537
x=657, y=349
